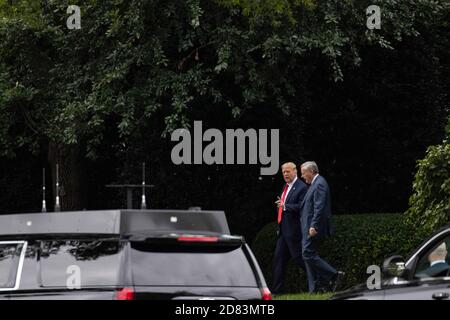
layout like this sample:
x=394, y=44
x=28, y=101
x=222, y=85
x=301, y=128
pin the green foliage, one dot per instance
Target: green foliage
x=139, y=69
x=336, y=28
x=24, y=10
x=430, y=201
x=275, y=10
x=360, y=241
x=134, y=59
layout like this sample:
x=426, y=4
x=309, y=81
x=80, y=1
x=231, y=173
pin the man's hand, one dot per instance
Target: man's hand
x=279, y=202
x=312, y=232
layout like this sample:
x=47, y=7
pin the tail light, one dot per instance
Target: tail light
x=265, y=293
x=197, y=239
x=125, y=294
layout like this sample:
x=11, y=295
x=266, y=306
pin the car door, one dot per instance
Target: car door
x=424, y=290
x=429, y=272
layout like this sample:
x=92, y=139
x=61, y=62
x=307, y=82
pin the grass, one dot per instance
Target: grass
x=303, y=296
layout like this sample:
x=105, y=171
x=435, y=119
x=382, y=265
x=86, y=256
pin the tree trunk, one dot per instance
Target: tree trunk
x=72, y=176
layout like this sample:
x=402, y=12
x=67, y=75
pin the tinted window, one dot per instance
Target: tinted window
x=97, y=262
x=10, y=253
x=435, y=262
x=190, y=266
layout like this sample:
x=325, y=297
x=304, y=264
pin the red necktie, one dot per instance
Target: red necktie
x=280, y=209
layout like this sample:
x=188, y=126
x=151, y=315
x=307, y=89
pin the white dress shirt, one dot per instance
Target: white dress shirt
x=436, y=262
x=314, y=179
x=287, y=192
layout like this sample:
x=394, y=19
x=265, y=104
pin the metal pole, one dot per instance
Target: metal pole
x=143, y=203
x=57, y=206
x=44, y=205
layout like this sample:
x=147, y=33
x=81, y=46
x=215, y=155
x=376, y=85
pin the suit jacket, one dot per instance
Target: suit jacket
x=438, y=269
x=290, y=223
x=316, y=209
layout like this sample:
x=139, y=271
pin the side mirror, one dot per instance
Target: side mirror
x=394, y=267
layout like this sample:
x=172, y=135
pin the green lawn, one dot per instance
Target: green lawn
x=302, y=296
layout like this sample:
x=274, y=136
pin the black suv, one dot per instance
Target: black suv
x=125, y=255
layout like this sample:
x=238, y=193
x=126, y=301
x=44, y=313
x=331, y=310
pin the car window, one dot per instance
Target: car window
x=435, y=262
x=11, y=257
x=171, y=265
x=97, y=262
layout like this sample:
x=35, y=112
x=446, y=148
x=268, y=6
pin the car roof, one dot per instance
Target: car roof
x=113, y=222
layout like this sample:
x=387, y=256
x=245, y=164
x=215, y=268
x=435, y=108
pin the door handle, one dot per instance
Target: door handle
x=440, y=295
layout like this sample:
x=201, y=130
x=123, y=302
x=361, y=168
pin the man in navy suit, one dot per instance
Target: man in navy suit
x=289, y=229
x=316, y=225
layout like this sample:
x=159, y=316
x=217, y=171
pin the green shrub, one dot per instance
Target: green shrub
x=430, y=202
x=360, y=241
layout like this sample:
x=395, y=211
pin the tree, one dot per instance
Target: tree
x=67, y=93
x=430, y=201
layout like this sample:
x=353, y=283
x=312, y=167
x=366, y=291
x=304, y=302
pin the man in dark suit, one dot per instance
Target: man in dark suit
x=316, y=225
x=289, y=229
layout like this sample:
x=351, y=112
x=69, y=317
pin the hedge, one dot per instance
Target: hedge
x=360, y=240
x=430, y=201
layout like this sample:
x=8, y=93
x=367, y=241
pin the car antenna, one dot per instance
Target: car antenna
x=57, y=206
x=143, y=203
x=44, y=205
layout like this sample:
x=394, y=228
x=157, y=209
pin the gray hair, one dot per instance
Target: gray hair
x=441, y=250
x=310, y=165
x=289, y=164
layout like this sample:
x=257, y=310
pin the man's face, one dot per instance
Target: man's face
x=307, y=175
x=289, y=173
